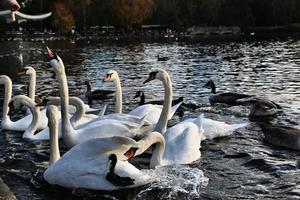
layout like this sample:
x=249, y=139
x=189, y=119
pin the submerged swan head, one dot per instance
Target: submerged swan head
x=111, y=75
x=157, y=73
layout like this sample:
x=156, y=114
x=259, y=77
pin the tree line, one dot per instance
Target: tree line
x=128, y=14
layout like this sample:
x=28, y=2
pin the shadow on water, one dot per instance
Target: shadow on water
x=241, y=166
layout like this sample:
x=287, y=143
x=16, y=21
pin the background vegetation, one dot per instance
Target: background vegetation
x=127, y=14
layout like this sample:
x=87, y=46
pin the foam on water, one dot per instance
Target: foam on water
x=169, y=182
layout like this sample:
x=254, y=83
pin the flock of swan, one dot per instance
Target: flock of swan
x=101, y=145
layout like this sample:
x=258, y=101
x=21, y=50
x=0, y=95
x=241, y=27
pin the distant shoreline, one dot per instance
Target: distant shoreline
x=161, y=36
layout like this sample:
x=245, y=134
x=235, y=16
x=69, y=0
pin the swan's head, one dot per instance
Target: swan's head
x=55, y=61
x=138, y=94
x=157, y=73
x=4, y=79
x=27, y=71
x=210, y=84
x=18, y=101
x=111, y=75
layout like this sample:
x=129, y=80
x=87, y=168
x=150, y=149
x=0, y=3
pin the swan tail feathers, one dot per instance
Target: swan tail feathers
x=102, y=111
x=237, y=126
x=174, y=108
x=199, y=121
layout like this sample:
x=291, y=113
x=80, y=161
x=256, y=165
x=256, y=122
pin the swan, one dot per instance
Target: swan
x=158, y=102
x=179, y=144
x=214, y=129
x=229, y=98
x=151, y=112
x=77, y=119
x=13, y=10
x=95, y=164
x=96, y=94
x=99, y=129
x=16, y=103
x=6, y=123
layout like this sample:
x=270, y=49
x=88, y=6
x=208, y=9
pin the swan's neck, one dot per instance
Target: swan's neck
x=80, y=110
x=35, y=118
x=32, y=85
x=142, y=101
x=161, y=125
x=157, y=155
x=118, y=95
x=150, y=139
x=54, y=147
x=64, y=95
x=7, y=97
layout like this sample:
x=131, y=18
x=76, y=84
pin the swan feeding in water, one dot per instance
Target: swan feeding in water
x=98, y=164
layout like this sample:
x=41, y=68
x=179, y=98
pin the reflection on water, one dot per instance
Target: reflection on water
x=239, y=166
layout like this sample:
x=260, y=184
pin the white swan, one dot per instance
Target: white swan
x=100, y=129
x=77, y=119
x=6, y=123
x=94, y=164
x=150, y=111
x=214, y=129
x=19, y=100
x=179, y=144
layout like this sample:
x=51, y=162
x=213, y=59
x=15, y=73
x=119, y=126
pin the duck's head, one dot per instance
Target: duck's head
x=138, y=94
x=26, y=70
x=55, y=61
x=210, y=84
x=111, y=75
x=156, y=73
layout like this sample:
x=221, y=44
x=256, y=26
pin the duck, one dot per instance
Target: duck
x=98, y=164
x=261, y=109
x=14, y=10
x=209, y=128
x=141, y=94
x=96, y=129
x=228, y=98
x=149, y=111
x=96, y=94
x=282, y=135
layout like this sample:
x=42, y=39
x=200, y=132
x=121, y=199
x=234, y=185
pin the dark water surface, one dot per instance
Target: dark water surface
x=241, y=166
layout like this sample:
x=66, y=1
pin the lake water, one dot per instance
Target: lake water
x=241, y=166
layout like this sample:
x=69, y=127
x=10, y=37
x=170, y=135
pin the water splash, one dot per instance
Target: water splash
x=170, y=182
